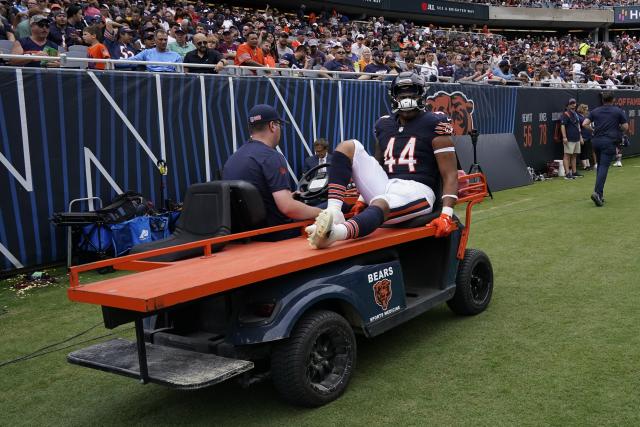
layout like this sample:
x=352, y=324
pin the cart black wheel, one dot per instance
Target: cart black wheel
x=474, y=284
x=314, y=365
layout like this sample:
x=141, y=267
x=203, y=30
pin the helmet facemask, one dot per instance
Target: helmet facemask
x=407, y=95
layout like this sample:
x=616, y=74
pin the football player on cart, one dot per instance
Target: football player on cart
x=415, y=158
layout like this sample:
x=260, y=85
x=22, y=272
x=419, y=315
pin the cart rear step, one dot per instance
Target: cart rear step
x=182, y=369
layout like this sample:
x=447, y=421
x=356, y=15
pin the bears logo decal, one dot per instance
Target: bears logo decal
x=457, y=106
x=382, y=293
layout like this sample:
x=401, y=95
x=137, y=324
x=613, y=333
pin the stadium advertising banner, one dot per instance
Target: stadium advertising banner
x=431, y=7
x=537, y=127
x=626, y=15
x=443, y=8
x=96, y=134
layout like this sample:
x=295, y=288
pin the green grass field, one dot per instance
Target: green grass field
x=559, y=344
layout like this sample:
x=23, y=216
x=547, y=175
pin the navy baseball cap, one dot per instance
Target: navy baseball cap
x=264, y=113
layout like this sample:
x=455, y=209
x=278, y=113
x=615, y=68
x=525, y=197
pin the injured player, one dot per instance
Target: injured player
x=415, y=158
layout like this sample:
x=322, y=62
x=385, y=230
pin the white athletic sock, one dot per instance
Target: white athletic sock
x=334, y=204
x=338, y=232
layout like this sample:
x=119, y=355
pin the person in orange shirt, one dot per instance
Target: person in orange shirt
x=249, y=54
x=269, y=58
x=96, y=49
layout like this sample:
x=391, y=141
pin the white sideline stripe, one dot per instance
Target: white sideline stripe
x=124, y=118
x=291, y=118
x=205, y=129
x=232, y=102
x=313, y=109
x=89, y=158
x=13, y=260
x=340, y=110
x=293, y=175
x=163, y=150
x=27, y=180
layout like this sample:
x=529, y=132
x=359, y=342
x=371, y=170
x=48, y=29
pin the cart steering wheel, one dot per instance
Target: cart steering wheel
x=308, y=192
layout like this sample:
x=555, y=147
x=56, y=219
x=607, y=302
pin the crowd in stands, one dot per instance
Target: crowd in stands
x=182, y=36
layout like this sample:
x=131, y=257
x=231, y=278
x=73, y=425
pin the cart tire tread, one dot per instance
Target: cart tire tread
x=290, y=359
x=474, y=284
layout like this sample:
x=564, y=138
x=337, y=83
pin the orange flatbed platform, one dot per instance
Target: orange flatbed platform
x=235, y=266
x=159, y=285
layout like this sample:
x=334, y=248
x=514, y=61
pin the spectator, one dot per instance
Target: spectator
x=316, y=55
x=268, y=53
x=59, y=32
x=249, y=54
x=283, y=45
x=227, y=47
x=75, y=19
x=410, y=63
x=300, y=39
x=391, y=62
x=148, y=41
x=523, y=78
x=119, y=45
x=481, y=72
x=340, y=63
x=463, y=72
x=502, y=71
x=159, y=54
x=365, y=59
x=429, y=69
x=36, y=45
x=181, y=46
x=556, y=80
x=376, y=67
x=358, y=47
x=203, y=55
x=296, y=61
x=23, y=29
x=96, y=49
x=6, y=30
x=444, y=68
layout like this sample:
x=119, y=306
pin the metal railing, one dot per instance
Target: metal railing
x=70, y=63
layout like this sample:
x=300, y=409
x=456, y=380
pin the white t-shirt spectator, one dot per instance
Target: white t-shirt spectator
x=427, y=70
x=282, y=51
x=357, y=50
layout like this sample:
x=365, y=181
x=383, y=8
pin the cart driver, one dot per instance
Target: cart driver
x=259, y=163
x=415, y=155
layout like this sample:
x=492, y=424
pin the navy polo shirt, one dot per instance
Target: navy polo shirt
x=571, y=123
x=606, y=122
x=375, y=68
x=265, y=168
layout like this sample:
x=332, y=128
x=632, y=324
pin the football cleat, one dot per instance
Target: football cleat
x=319, y=233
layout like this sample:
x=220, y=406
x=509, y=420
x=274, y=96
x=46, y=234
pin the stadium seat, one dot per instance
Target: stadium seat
x=206, y=213
x=79, y=48
x=6, y=46
x=70, y=63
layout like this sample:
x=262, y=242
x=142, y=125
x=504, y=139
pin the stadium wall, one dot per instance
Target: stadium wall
x=67, y=134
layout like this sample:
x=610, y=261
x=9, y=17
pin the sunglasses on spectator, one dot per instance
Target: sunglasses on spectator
x=42, y=24
x=341, y=52
x=203, y=43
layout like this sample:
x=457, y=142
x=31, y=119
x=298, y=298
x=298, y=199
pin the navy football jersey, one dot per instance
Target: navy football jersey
x=407, y=150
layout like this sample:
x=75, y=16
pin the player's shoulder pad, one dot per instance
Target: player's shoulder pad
x=440, y=122
x=382, y=121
